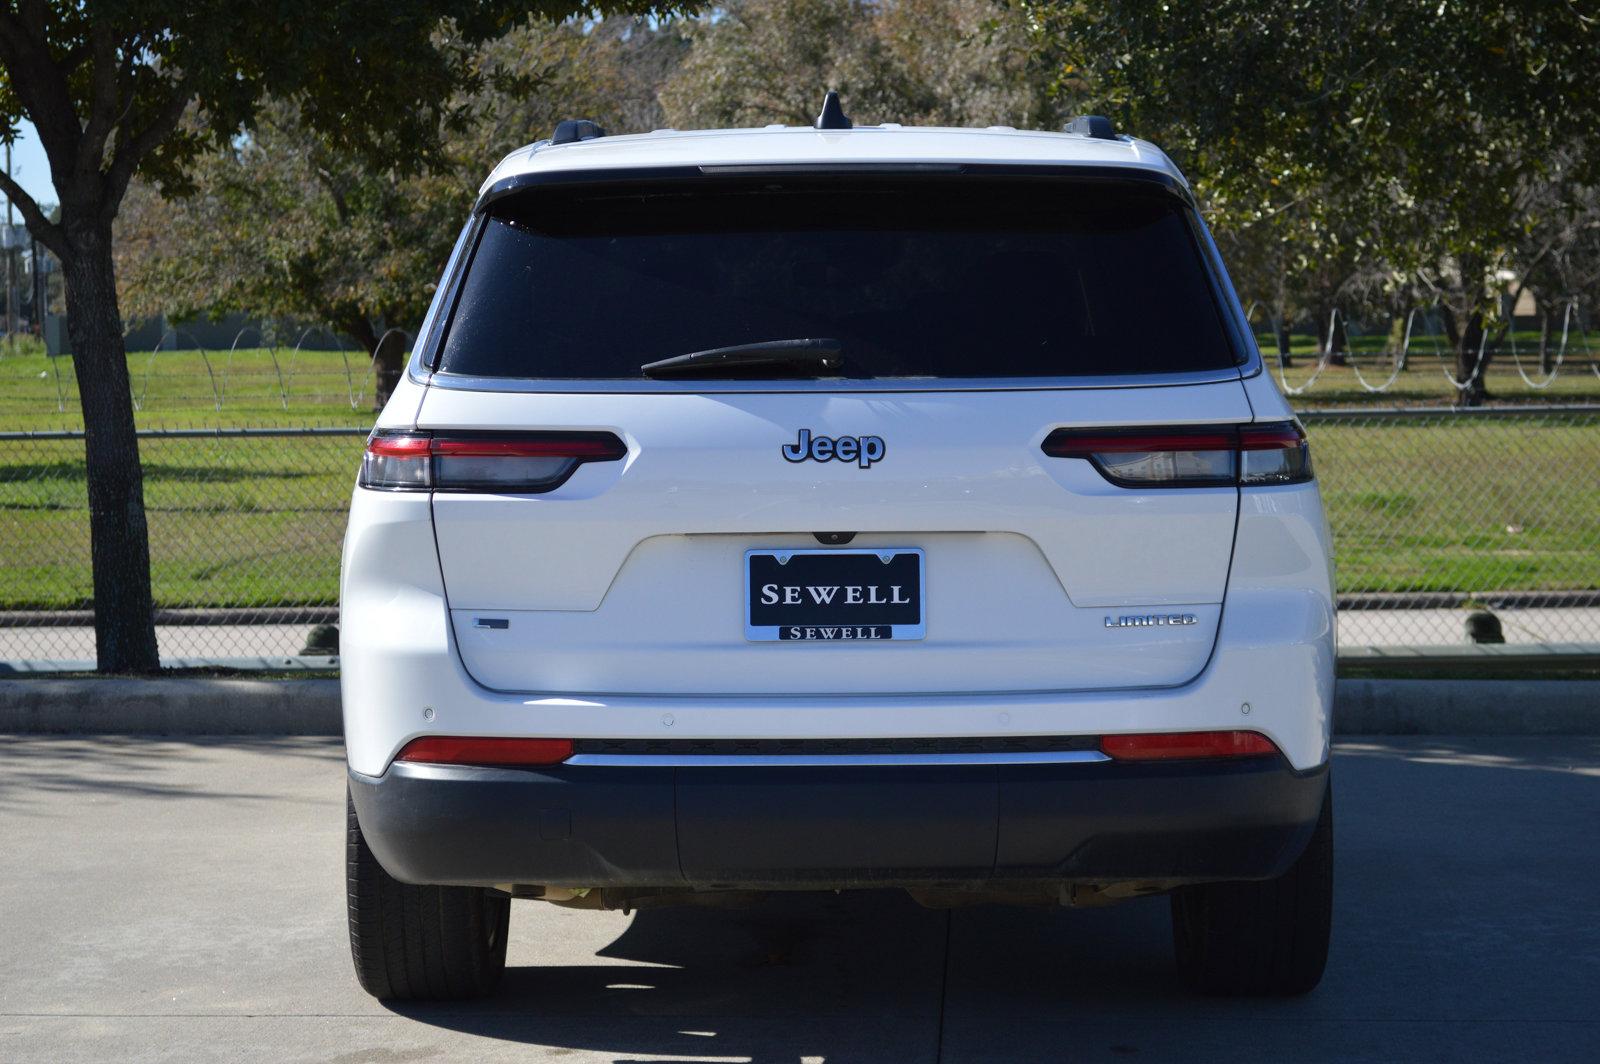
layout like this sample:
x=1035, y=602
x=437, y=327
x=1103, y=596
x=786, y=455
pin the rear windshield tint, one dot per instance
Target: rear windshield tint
x=945, y=279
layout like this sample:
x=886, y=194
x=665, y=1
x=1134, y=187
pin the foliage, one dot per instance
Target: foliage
x=926, y=62
x=1401, y=139
x=120, y=88
x=287, y=222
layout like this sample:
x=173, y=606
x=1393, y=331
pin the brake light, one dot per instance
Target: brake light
x=527, y=463
x=485, y=752
x=1190, y=457
x=1171, y=746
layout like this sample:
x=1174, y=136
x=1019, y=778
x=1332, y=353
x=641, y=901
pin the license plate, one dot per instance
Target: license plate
x=833, y=595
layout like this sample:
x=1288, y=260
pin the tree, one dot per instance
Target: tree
x=288, y=223
x=1410, y=128
x=108, y=85
x=284, y=223
x=926, y=62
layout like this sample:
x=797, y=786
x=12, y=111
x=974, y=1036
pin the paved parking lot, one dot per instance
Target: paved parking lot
x=183, y=900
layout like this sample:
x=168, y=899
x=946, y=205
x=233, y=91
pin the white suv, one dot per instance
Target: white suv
x=831, y=508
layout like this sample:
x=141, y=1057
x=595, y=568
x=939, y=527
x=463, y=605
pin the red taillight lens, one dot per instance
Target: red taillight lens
x=485, y=752
x=1189, y=457
x=521, y=464
x=1066, y=443
x=1176, y=458
x=1170, y=746
x=397, y=463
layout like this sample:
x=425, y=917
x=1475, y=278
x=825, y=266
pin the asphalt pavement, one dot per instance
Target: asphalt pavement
x=170, y=900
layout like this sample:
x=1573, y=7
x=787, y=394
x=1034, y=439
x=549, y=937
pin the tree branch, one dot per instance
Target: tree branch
x=43, y=229
x=102, y=101
x=40, y=84
x=34, y=14
x=131, y=151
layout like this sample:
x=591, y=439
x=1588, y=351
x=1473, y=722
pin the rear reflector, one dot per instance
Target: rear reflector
x=1190, y=456
x=522, y=464
x=489, y=752
x=1169, y=746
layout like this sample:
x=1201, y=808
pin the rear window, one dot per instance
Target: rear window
x=963, y=277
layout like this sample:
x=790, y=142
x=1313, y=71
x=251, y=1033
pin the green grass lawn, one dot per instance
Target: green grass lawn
x=181, y=389
x=1476, y=504
x=262, y=386
x=1424, y=381
x=233, y=522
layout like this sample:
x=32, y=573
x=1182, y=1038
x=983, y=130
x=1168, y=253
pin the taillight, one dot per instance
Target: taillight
x=485, y=752
x=1198, y=457
x=397, y=463
x=1172, y=746
x=1273, y=454
x=526, y=463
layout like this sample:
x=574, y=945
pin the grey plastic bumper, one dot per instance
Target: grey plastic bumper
x=835, y=827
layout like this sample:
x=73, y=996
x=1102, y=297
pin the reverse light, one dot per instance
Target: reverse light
x=525, y=463
x=1274, y=454
x=1171, y=746
x=485, y=752
x=1190, y=457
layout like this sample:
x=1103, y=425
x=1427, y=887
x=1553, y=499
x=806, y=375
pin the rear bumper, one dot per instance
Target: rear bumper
x=836, y=827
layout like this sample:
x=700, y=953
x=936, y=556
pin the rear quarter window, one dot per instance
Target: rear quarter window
x=924, y=278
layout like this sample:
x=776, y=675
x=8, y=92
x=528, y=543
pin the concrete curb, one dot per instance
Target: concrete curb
x=171, y=707
x=1467, y=707
x=311, y=707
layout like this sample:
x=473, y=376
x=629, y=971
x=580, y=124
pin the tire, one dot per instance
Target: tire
x=412, y=943
x=1260, y=939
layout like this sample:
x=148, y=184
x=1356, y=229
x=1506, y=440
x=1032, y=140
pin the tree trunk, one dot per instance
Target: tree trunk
x=1466, y=342
x=1331, y=340
x=124, y=627
x=385, y=357
x=1281, y=324
x=388, y=362
x=1280, y=330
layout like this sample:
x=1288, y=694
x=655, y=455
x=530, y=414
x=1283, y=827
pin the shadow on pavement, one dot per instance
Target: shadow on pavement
x=1467, y=928
x=794, y=977
x=138, y=765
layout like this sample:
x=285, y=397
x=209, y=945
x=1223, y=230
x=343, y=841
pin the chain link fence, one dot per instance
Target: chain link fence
x=1439, y=513
x=1435, y=513
x=245, y=530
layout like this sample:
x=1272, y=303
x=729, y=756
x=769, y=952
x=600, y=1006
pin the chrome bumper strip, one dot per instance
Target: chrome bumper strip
x=689, y=760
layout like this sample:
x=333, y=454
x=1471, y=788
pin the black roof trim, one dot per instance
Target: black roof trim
x=623, y=177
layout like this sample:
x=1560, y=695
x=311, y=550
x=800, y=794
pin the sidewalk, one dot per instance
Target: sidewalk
x=1357, y=628
x=1448, y=627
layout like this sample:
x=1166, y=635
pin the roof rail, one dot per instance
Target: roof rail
x=573, y=130
x=833, y=116
x=1097, y=126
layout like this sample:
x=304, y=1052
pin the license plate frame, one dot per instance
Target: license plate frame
x=890, y=621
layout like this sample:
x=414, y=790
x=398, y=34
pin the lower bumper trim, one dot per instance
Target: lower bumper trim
x=826, y=826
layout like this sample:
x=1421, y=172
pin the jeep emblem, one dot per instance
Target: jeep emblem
x=862, y=450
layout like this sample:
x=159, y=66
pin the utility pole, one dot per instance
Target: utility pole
x=11, y=286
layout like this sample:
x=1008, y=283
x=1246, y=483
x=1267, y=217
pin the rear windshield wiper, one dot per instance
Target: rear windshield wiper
x=767, y=358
